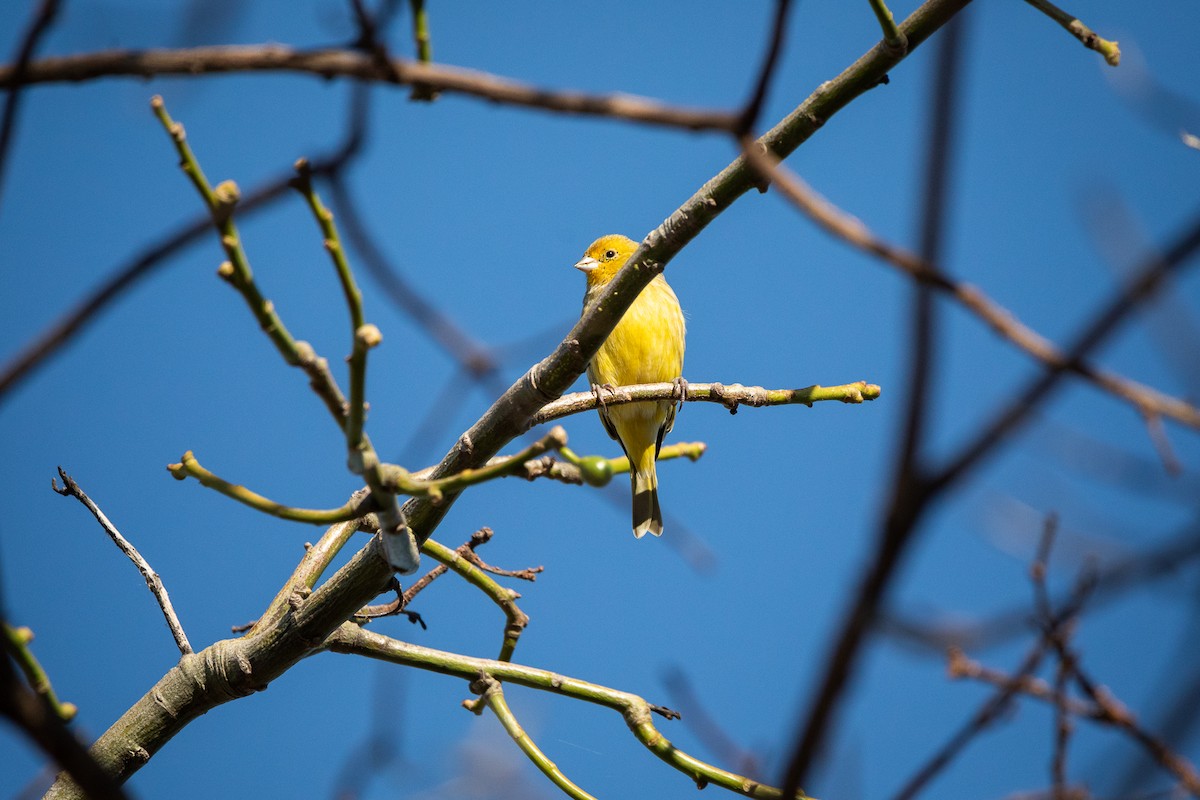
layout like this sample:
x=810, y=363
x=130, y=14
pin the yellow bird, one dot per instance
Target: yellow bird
x=645, y=347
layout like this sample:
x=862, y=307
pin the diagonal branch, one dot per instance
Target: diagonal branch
x=1146, y=400
x=153, y=581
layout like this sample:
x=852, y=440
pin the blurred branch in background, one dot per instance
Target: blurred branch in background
x=910, y=492
x=30, y=710
x=708, y=730
x=1146, y=400
x=43, y=18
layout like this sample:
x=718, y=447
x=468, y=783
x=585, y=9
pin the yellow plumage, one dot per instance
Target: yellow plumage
x=645, y=347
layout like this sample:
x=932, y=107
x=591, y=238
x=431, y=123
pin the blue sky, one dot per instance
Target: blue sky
x=484, y=209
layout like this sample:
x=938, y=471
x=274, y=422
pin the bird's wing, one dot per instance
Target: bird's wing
x=608, y=424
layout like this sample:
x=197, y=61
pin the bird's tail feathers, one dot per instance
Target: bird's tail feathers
x=647, y=516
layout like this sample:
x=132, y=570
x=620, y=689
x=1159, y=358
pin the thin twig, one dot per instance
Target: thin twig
x=1110, y=50
x=467, y=563
x=16, y=645
x=459, y=561
x=1112, y=712
x=1151, y=275
x=493, y=696
x=988, y=713
x=596, y=470
x=474, y=357
x=1008, y=686
x=36, y=720
x=892, y=35
x=189, y=467
x=342, y=63
x=153, y=581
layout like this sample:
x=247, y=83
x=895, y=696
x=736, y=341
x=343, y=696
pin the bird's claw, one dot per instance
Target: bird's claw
x=596, y=389
x=680, y=392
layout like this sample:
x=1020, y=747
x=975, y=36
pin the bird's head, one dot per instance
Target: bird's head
x=604, y=257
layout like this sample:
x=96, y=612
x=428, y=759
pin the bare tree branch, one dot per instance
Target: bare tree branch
x=340, y=63
x=1146, y=400
x=153, y=581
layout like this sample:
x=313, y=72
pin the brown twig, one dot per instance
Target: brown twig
x=753, y=107
x=988, y=713
x=342, y=63
x=153, y=581
x=474, y=357
x=1023, y=680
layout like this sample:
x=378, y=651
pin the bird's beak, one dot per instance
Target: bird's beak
x=587, y=265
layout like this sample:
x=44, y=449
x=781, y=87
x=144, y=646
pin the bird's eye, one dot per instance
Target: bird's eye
x=610, y=254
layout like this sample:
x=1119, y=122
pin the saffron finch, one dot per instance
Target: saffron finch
x=645, y=347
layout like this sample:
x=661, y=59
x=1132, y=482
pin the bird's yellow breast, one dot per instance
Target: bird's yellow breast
x=647, y=344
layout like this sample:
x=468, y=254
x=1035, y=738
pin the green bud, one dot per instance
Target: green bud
x=596, y=470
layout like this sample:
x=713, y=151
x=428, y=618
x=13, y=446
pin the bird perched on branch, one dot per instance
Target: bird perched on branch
x=645, y=347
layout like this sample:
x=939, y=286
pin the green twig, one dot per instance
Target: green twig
x=365, y=336
x=422, y=91
x=459, y=562
x=17, y=641
x=493, y=696
x=598, y=470
x=1110, y=50
x=236, y=270
x=363, y=460
x=189, y=467
x=403, y=481
x=421, y=31
x=352, y=639
x=892, y=34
